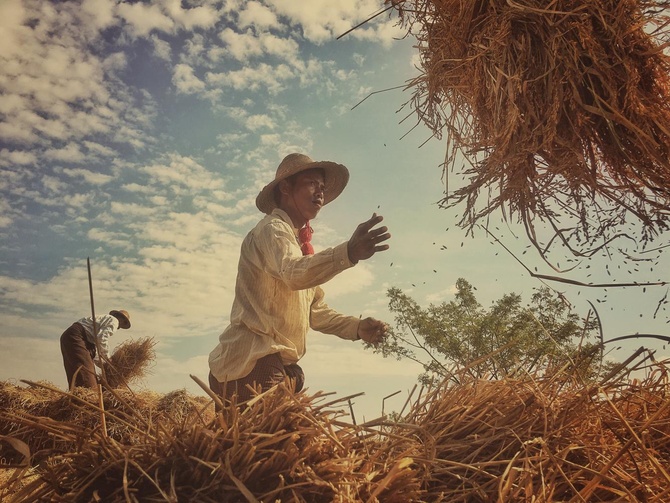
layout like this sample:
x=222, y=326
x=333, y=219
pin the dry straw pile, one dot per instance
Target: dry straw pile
x=561, y=108
x=538, y=438
x=129, y=362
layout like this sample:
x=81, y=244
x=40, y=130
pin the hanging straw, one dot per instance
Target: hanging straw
x=560, y=109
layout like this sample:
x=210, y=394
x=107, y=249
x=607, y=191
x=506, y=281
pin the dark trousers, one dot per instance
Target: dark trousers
x=78, y=354
x=267, y=372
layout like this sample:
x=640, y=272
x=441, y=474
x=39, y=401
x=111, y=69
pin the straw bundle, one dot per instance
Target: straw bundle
x=129, y=361
x=561, y=108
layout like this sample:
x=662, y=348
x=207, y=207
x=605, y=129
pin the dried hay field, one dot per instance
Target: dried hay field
x=536, y=438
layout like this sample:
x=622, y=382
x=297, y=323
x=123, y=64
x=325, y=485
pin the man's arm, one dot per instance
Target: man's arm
x=284, y=260
x=326, y=320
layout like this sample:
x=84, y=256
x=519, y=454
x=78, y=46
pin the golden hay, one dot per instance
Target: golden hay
x=561, y=108
x=536, y=438
x=30, y=414
x=129, y=362
x=544, y=439
x=280, y=448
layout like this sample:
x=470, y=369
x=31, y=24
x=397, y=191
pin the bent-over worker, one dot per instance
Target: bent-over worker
x=79, y=348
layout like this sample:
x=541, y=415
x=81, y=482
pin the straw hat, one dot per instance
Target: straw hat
x=336, y=178
x=123, y=317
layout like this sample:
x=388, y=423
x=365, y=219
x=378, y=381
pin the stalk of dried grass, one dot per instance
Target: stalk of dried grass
x=561, y=108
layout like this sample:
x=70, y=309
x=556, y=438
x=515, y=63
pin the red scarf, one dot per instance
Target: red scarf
x=305, y=236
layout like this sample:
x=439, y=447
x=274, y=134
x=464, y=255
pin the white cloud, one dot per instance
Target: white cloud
x=263, y=76
x=110, y=239
x=115, y=62
x=284, y=48
x=143, y=19
x=54, y=89
x=99, y=149
x=162, y=49
x=231, y=139
x=53, y=184
x=17, y=133
x=202, y=16
x=12, y=16
x=242, y=46
x=185, y=80
x=324, y=20
x=100, y=13
x=261, y=121
x=69, y=153
x=257, y=15
x=182, y=173
x=17, y=157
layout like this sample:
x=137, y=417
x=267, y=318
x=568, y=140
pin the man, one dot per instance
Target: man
x=278, y=297
x=79, y=348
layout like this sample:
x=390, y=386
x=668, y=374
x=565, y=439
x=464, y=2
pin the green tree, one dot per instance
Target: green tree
x=462, y=336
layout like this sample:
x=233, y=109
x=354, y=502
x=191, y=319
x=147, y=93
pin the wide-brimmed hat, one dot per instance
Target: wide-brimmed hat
x=123, y=317
x=336, y=178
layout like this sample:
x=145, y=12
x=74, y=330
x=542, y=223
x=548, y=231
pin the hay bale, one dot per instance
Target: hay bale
x=129, y=362
x=561, y=109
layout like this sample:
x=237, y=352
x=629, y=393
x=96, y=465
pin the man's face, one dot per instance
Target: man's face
x=308, y=193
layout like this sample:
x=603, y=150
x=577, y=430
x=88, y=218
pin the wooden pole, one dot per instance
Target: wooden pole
x=103, y=420
x=90, y=290
x=95, y=324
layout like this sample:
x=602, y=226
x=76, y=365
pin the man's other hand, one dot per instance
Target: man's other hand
x=372, y=331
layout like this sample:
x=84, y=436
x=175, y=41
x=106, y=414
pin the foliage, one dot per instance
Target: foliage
x=504, y=340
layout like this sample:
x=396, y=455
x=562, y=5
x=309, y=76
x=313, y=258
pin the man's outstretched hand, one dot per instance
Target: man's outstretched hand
x=372, y=331
x=364, y=242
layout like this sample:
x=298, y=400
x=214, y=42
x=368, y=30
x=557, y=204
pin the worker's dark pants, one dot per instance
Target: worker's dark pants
x=78, y=353
x=267, y=372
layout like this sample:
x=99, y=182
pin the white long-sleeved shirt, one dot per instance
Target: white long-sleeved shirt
x=106, y=326
x=277, y=299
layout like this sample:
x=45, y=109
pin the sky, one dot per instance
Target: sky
x=138, y=134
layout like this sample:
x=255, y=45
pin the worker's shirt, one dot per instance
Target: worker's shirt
x=106, y=325
x=278, y=299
